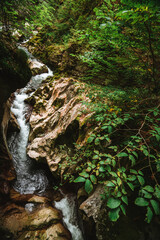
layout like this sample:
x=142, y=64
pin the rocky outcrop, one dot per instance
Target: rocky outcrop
x=56, y=120
x=31, y=216
x=94, y=214
x=37, y=67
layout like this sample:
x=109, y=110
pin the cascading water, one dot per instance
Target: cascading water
x=28, y=180
x=68, y=207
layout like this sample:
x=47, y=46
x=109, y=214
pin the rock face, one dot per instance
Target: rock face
x=95, y=217
x=37, y=67
x=29, y=217
x=56, y=120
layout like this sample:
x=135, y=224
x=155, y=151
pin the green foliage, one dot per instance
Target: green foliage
x=124, y=45
x=121, y=152
x=14, y=12
x=120, y=45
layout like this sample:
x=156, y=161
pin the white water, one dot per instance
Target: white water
x=68, y=207
x=28, y=180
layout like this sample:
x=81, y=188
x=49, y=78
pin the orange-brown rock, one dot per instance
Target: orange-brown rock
x=25, y=222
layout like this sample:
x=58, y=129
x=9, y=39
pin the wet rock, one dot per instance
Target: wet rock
x=44, y=217
x=37, y=67
x=94, y=214
x=38, y=199
x=17, y=197
x=13, y=124
x=56, y=232
x=25, y=224
x=92, y=205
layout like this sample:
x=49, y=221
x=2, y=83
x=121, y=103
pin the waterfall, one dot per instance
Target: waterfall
x=28, y=180
x=68, y=207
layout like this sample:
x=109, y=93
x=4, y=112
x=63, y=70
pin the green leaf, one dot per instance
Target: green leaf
x=149, y=215
x=157, y=192
x=113, y=203
x=95, y=157
x=147, y=195
x=113, y=163
x=140, y=172
x=133, y=160
x=93, y=179
x=135, y=154
x=119, y=194
x=125, y=199
x=148, y=188
x=146, y=153
x=113, y=174
x=114, y=214
x=141, y=180
x=88, y=186
x=155, y=206
x=119, y=181
x=133, y=171
x=84, y=174
x=142, y=202
x=131, y=186
x=123, y=209
x=88, y=169
x=109, y=129
x=158, y=137
x=90, y=139
x=131, y=178
x=110, y=184
x=97, y=141
x=122, y=154
x=79, y=179
x=102, y=169
x=124, y=191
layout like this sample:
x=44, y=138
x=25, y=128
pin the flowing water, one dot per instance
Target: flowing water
x=28, y=179
x=68, y=207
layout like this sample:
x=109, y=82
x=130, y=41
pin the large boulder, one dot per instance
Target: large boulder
x=29, y=216
x=56, y=120
x=37, y=67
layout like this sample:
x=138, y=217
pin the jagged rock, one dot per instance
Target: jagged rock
x=92, y=205
x=38, y=199
x=56, y=120
x=37, y=67
x=13, y=124
x=44, y=220
x=95, y=216
x=56, y=232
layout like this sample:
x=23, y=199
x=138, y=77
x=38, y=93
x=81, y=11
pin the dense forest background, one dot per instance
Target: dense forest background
x=114, y=48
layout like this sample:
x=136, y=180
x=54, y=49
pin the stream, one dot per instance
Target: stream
x=30, y=180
